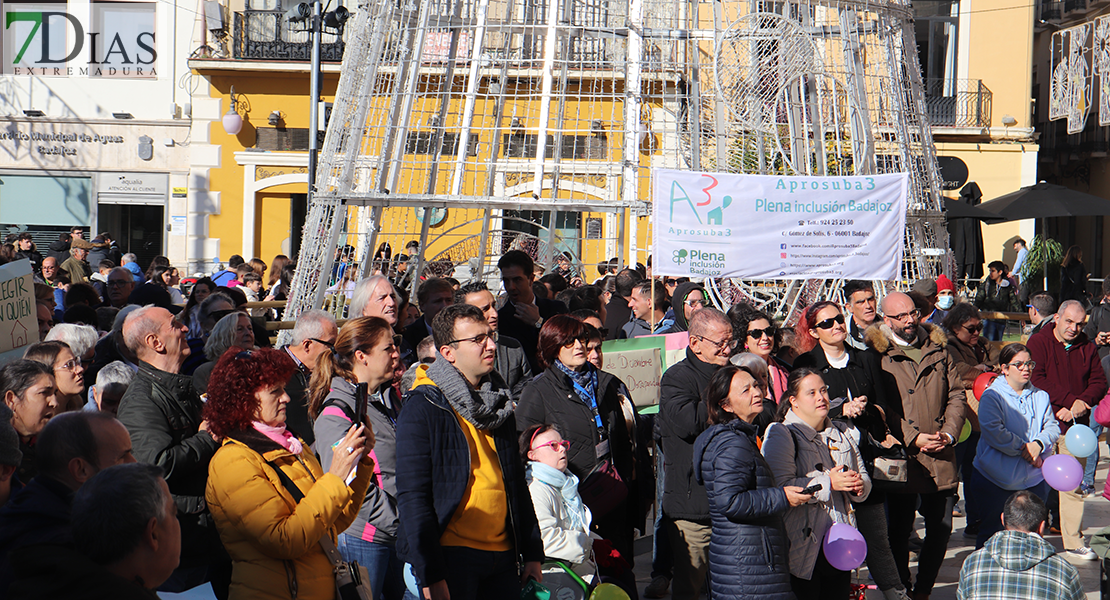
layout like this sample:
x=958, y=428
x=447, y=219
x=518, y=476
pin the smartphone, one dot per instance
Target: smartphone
x=362, y=392
x=813, y=489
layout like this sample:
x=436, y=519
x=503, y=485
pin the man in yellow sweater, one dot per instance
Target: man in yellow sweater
x=467, y=523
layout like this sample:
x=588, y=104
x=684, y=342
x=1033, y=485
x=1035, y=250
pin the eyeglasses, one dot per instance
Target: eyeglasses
x=828, y=323
x=721, y=345
x=479, y=339
x=766, y=331
x=323, y=343
x=69, y=365
x=1024, y=364
x=118, y=283
x=973, y=329
x=565, y=445
x=701, y=303
x=913, y=314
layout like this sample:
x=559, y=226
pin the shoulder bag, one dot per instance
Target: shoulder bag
x=352, y=582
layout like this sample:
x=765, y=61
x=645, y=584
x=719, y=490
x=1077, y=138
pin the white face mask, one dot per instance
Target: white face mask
x=945, y=302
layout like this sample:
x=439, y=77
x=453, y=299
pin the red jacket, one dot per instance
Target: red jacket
x=1067, y=374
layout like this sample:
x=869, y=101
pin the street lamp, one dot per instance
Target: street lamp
x=232, y=121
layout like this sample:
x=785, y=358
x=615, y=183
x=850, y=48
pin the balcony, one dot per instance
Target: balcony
x=266, y=35
x=1051, y=11
x=958, y=103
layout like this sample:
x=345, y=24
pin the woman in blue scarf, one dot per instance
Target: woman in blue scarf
x=564, y=520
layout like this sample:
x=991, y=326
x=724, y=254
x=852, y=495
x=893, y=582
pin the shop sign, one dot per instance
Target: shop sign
x=771, y=227
x=56, y=143
x=148, y=184
x=109, y=39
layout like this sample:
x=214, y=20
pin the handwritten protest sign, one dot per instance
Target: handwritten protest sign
x=18, y=323
x=640, y=363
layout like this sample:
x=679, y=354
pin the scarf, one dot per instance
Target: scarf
x=487, y=407
x=585, y=385
x=280, y=436
x=567, y=484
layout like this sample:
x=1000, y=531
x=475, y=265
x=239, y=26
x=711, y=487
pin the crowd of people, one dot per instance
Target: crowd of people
x=463, y=442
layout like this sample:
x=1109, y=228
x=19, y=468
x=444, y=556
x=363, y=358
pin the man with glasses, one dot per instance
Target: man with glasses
x=683, y=417
x=162, y=411
x=687, y=299
x=510, y=362
x=120, y=285
x=859, y=301
x=1069, y=369
x=463, y=528
x=927, y=421
x=314, y=333
x=50, y=271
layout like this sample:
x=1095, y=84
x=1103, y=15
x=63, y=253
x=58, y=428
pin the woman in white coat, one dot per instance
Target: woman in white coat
x=563, y=518
x=804, y=448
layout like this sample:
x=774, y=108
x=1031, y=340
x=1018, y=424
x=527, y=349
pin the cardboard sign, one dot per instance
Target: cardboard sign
x=19, y=326
x=640, y=370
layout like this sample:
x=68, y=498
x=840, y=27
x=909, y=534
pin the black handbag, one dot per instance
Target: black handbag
x=887, y=467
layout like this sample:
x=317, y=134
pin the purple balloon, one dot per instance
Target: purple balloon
x=844, y=546
x=1062, y=472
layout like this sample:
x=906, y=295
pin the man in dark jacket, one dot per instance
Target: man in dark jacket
x=1068, y=368
x=459, y=412
x=126, y=542
x=511, y=363
x=25, y=248
x=524, y=313
x=1042, y=311
x=72, y=447
x=433, y=295
x=684, y=417
x=59, y=248
x=314, y=333
x=860, y=303
x=688, y=298
x=162, y=410
x=617, y=311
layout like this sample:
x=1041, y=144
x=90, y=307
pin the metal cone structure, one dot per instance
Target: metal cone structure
x=479, y=126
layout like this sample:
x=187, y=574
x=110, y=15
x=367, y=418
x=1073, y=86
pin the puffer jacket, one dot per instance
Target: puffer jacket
x=802, y=456
x=682, y=418
x=433, y=468
x=377, y=519
x=748, y=546
x=268, y=534
x=161, y=411
x=926, y=397
x=32, y=255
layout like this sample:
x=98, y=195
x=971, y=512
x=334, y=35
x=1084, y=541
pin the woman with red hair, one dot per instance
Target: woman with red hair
x=583, y=403
x=858, y=396
x=274, y=506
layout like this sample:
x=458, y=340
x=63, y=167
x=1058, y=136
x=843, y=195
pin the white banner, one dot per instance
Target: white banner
x=770, y=227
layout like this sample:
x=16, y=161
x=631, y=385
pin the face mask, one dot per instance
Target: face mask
x=945, y=302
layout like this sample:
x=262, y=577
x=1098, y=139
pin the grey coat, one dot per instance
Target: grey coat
x=377, y=519
x=800, y=456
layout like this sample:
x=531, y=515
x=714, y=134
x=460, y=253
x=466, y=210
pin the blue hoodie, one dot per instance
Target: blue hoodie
x=1008, y=421
x=136, y=272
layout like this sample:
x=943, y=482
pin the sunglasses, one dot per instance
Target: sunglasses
x=973, y=329
x=756, y=334
x=830, y=322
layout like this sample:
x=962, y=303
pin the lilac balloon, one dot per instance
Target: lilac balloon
x=1062, y=472
x=844, y=546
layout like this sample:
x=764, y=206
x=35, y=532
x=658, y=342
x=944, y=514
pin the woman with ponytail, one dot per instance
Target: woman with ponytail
x=364, y=352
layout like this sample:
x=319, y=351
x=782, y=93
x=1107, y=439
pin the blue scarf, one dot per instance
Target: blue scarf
x=585, y=385
x=567, y=484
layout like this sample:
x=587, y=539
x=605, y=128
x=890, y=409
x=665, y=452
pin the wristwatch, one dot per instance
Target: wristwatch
x=539, y=323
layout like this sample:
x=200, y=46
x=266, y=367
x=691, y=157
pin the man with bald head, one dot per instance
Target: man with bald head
x=927, y=422
x=1068, y=368
x=162, y=411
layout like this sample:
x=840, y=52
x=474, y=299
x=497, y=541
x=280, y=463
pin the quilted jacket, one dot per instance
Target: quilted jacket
x=748, y=546
x=269, y=535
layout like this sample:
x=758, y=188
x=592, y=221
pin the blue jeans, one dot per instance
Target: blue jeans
x=662, y=559
x=1092, y=460
x=993, y=330
x=387, y=581
x=991, y=500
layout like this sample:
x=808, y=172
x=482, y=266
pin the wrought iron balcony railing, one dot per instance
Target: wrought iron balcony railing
x=964, y=103
x=266, y=35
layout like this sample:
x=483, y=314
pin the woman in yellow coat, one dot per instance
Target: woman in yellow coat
x=273, y=540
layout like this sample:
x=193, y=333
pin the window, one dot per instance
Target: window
x=935, y=23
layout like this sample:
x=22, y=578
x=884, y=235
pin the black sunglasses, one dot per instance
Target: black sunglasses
x=829, y=322
x=759, y=333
